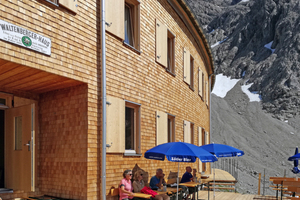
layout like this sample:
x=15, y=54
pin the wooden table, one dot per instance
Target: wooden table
x=192, y=185
x=279, y=181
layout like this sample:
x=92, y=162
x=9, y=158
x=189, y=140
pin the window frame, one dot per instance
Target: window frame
x=171, y=123
x=192, y=133
x=192, y=63
x=137, y=128
x=170, y=52
x=134, y=6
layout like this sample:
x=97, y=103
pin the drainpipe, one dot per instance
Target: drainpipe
x=209, y=85
x=103, y=98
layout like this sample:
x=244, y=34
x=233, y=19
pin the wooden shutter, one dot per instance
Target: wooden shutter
x=207, y=92
x=186, y=66
x=187, y=131
x=161, y=44
x=115, y=132
x=69, y=4
x=206, y=138
x=114, y=15
x=200, y=82
x=161, y=127
x=200, y=144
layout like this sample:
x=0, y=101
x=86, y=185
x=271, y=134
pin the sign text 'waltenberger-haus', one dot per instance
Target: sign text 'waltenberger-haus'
x=23, y=37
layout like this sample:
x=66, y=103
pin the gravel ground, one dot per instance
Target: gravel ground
x=266, y=141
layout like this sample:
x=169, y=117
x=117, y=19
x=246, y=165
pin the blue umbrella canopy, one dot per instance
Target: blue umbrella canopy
x=222, y=150
x=295, y=158
x=179, y=152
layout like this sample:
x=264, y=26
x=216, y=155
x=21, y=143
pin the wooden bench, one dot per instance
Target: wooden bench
x=221, y=185
x=115, y=192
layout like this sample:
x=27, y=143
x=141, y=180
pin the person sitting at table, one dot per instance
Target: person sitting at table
x=125, y=186
x=156, y=182
x=188, y=177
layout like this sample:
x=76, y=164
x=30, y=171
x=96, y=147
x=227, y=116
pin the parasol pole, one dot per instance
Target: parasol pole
x=214, y=180
x=177, y=182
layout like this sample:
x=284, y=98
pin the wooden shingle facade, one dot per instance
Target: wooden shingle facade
x=159, y=70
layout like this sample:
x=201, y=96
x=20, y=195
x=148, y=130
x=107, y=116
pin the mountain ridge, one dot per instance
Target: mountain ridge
x=241, y=30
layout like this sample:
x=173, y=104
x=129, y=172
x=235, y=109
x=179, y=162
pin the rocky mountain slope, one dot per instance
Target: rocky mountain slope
x=238, y=32
x=266, y=141
x=257, y=41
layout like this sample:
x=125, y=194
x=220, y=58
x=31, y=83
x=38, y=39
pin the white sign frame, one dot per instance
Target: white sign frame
x=24, y=37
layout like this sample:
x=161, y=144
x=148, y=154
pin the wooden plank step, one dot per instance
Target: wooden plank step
x=220, y=188
x=211, y=183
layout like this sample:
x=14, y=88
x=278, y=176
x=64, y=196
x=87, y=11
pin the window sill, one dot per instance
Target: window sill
x=173, y=74
x=132, y=48
x=192, y=88
x=50, y=2
x=4, y=190
x=201, y=98
x=133, y=154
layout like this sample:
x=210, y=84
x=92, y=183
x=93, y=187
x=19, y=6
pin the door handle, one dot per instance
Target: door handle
x=28, y=144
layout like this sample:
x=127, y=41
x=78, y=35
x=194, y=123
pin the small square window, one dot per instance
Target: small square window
x=171, y=128
x=171, y=53
x=132, y=128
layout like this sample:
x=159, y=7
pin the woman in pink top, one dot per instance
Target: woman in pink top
x=125, y=187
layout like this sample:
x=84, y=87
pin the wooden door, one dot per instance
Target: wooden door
x=19, y=148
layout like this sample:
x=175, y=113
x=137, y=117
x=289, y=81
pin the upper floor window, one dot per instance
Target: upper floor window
x=171, y=52
x=165, y=47
x=123, y=19
x=200, y=83
x=188, y=68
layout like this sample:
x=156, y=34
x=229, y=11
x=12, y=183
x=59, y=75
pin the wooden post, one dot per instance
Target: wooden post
x=259, y=180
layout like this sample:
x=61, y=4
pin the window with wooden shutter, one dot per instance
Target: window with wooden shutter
x=200, y=82
x=161, y=44
x=115, y=133
x=207, y=92
x=115, y=17
x=187, y=131
x=171, y=128
x=69, y=4
x=192, y=133
x=186, y=66
x=171, y=52
x=161, y=127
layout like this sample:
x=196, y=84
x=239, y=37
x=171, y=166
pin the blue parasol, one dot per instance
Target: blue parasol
x=295, y=158
x=222, y=150
x=179, y=152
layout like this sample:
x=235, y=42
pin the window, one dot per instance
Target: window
x=200, y=83
x=188, y=68
x=191, y=72
x=123, y=19
x=132, y=126
x=129, y=39
x=123, y=126
x=165, y=127
x=171, y=128
x=206, y=92
x=192, y=133
x=68, y=4
x=165, y=47
x=171, y=52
